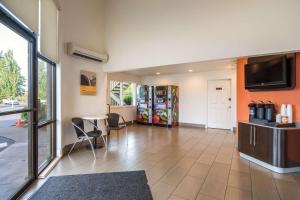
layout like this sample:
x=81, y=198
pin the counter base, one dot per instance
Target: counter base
x=270, y=167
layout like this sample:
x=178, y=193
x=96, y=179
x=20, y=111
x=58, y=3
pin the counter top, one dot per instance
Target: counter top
x=297, y=127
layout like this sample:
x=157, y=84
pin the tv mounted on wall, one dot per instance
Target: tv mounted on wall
x=275, y=73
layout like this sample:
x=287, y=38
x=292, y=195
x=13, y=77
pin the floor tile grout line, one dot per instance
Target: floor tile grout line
x=251, y=173
x=175, y=187
x=194, y=163
x=171, y=169
x=276, y=187
x=207, y=174
x=229, y=171
x=154, y=153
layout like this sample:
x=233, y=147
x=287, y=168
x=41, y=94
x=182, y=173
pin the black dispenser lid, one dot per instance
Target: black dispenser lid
x=261, y=104
x=252, y=104
x=269, y=104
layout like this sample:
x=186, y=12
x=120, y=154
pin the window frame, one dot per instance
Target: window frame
x=7, y=19
x=10, y=21
x=122, y=92
x=51, y=121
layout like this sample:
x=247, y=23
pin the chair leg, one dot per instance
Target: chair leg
x=126, y=136
x=95, y=142
x=92, y=147
x=104, y=141
x=72, y=147
x=80, y=143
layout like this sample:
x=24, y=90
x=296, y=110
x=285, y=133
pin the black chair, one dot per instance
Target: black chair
x=82, y=135
x=113, y=123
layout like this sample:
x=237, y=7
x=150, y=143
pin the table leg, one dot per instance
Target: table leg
x=96, y=146
x=95, y=139
x=95, y=122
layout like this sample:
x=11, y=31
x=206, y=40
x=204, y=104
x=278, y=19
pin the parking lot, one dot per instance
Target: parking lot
x=14, y=158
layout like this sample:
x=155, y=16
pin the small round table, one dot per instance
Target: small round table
x=95, y=119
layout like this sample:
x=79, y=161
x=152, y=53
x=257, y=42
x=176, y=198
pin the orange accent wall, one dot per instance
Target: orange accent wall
x=277, y=97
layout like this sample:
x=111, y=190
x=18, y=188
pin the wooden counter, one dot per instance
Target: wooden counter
x=277, y=149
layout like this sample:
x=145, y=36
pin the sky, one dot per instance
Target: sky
x=9, y=40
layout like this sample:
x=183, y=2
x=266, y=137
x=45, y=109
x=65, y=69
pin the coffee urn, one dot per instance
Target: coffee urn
x=252, y=110
x=269, y=111
x=260, y=111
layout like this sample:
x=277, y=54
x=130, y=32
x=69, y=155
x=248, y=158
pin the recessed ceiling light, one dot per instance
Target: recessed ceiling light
x=190, y=70
x=157, y=73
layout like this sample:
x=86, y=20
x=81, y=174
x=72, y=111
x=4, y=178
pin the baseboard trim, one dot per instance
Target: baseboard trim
x=191, y=125
x=234, y=129
x=270, y=167
x=130, y=123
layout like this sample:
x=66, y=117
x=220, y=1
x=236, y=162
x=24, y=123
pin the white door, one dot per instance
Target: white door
x=219, y=104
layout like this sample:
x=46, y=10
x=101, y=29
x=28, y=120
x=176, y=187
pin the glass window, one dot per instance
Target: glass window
x=15, y=161
x=115, y=93
x=122, y=93
x=13, y=71
x=46, y=112
x=45, y=147
x=16, y=126
x=19, y=106
x=45, y=87
x=127, y=94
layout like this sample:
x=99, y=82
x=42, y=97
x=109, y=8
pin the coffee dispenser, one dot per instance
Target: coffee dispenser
x=269, y=111
x=252, y=110
x=260, y=111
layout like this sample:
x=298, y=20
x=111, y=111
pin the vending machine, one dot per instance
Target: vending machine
x=144, y=104
x=166, y=99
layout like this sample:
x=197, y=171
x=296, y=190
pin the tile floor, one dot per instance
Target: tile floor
x=183, y=164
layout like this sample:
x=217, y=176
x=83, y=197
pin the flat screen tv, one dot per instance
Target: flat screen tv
x=272, y=74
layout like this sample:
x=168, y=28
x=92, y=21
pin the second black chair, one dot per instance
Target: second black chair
x=114, y=123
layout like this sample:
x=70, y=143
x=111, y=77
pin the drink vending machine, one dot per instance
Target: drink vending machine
x=166, y=105
x=144, y=104
x=158, y=105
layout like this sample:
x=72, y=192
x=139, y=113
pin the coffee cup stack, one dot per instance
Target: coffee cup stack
x=286, y=113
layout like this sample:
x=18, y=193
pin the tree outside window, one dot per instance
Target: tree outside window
x=12, y=83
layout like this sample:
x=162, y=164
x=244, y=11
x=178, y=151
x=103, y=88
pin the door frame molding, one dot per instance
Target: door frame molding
x=207, y=91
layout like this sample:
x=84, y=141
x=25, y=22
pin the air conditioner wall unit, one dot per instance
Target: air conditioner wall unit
x=74, y=50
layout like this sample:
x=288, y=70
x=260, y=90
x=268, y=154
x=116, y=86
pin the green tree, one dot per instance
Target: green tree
x=42, y=90
x=42, y=80
x=127, y=95
x=11, y=80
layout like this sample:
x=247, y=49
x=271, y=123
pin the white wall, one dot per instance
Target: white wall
x=193, y=93
x=128, y=112
x=143, y=33
x=80, y=22
x=122, y=76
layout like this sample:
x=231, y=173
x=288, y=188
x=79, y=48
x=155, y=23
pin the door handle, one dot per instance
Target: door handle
x=250, y=134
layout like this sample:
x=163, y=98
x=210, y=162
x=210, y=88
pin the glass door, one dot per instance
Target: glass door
x=17, y=106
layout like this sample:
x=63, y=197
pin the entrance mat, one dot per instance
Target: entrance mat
x=130, y=185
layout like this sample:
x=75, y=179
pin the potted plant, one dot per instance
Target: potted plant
x=24, y=118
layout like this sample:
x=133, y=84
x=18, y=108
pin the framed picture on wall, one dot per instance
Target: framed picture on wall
x=88, y=82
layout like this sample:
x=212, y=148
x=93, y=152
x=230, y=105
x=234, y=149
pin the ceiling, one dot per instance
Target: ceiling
x=184, y=68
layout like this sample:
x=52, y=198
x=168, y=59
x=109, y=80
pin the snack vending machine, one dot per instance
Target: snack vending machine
x=144, y=104
x=166, y=99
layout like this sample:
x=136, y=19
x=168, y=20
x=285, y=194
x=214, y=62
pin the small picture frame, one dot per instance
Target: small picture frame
x=88, y=83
